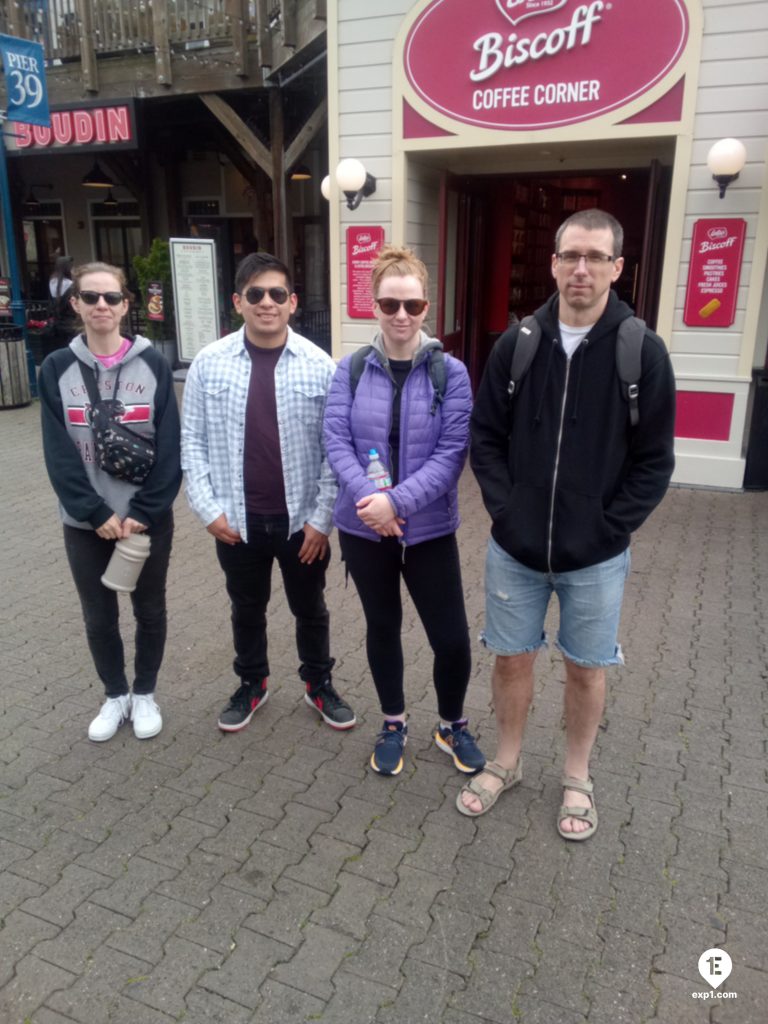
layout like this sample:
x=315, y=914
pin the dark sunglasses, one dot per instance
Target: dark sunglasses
x=91, y=298
x=255, y=294
x=413, y=307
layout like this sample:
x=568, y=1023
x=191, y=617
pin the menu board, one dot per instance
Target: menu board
x=363, y=246
x=713, y=276
x=193, y=261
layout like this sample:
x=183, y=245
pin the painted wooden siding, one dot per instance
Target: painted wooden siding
x=365, y=47
x=732, y=100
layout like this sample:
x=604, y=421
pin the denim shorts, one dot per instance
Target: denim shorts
x=516, y=600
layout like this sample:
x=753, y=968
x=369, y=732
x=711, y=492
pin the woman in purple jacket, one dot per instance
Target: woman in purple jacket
x=420, y=428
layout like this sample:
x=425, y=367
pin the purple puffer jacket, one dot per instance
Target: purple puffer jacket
x=432, y=447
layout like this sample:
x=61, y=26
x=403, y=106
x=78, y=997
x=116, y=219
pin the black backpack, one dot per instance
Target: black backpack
x=629, y=347
x=435, y=368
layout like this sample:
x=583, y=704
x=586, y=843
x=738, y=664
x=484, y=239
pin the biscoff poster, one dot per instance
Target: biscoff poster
x=713, y=275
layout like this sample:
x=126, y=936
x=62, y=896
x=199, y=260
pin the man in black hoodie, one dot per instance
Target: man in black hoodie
x=566, y=480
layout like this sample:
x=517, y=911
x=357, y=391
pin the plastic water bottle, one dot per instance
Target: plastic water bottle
x=377, y=472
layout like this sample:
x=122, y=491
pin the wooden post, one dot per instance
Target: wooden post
x=238, y=14
x=16, y=20
x=279, y=198
x=163, y=71
x=288, y=21
x=321, y=10
x=265, y=35
x=87, y=51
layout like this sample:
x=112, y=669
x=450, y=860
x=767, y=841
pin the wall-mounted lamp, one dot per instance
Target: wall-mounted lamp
x=353, y=180
x=301, y=173
x=96, y=178
x=726, y=160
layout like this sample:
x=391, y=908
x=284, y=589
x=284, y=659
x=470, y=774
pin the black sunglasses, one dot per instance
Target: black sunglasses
x=91, y=298
x=255, y=294
x=413, y=307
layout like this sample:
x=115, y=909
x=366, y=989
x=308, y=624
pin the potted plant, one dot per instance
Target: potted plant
x=155, y=278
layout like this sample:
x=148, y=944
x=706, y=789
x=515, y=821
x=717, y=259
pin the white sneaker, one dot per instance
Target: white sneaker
x=145, y=715
x=114, y=711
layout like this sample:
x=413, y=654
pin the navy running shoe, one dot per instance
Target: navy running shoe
x=459, y=742
x=387, y=756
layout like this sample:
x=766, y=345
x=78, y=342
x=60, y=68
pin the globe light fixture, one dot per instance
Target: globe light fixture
x=726, y=160
x=353, y=180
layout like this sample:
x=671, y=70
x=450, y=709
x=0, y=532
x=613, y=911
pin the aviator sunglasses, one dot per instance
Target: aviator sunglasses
x=413, y=307
x=255, y=294
x=91, y=298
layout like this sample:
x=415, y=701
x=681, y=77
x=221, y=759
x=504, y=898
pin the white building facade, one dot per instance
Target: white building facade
x=486, y=124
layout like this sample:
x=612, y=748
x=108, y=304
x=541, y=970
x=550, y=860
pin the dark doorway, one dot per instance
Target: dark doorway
x=497, y=237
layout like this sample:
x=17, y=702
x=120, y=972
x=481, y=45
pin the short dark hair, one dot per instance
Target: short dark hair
x=593, y=220
x=259, y=263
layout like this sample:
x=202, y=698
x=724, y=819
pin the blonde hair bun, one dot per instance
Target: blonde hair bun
x=398, y=261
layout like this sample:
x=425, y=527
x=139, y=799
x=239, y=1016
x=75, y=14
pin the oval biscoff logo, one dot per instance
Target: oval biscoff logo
x=534, y=64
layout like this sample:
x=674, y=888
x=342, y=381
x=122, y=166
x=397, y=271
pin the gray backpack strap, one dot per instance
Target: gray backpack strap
x=439, y=377
x=528, y=337
x=629, y=351
x=356, y=367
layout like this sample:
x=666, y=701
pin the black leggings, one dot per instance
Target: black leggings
x=432, y=574
x=88, y=556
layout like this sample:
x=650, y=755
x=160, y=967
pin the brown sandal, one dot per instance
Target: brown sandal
x=588, y=814
x=509, y=777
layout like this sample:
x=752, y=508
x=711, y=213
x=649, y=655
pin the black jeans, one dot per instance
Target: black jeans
x=432, y=574
x=248, y=572
x=88, y=556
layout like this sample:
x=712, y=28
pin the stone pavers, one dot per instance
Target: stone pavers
x=270, y=877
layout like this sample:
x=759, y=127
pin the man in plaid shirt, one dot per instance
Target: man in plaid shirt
x=257, y=477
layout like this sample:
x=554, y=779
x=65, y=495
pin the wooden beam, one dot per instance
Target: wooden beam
x=87, y=52
x=321, y=10
x=279, y=198
x=307, y=132
x=235, y=125
x=163, y=70
x=238, y=15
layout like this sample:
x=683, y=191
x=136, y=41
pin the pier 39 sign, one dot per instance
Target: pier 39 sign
x=534, y=64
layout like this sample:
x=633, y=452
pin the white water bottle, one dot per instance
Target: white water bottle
x=377, y=472
x=127, y=561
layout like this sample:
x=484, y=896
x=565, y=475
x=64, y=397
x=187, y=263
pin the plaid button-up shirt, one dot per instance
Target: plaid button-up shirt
x=213, y=432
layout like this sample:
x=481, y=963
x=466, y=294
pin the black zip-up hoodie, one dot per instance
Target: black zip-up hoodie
x=565, y=478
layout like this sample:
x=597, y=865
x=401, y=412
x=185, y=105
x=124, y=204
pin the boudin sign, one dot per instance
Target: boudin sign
x=535, y=64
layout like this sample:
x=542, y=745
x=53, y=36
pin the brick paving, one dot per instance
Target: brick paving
x=271, y=877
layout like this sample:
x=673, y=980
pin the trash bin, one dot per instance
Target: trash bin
x=14, y=372
x=756, y=469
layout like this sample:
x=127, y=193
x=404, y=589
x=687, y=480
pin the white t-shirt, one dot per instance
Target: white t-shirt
x=572, y=337
x=53, y=284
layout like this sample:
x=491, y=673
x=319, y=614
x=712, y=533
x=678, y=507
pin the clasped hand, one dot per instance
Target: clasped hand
x=376, y=511
x=117, y=529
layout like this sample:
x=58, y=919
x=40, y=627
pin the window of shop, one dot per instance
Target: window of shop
x=117, y=235
x=43, y=235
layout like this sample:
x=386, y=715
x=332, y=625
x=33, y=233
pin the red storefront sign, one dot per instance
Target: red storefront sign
x=533, y=64
x=363, y=246
x=76, y=128
x=713, y=275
